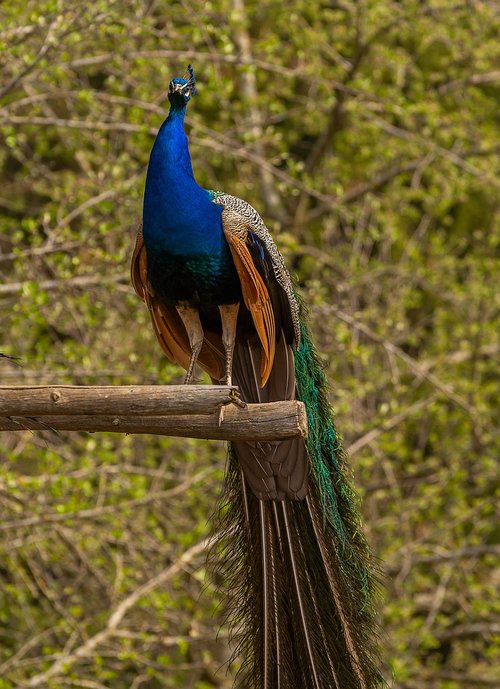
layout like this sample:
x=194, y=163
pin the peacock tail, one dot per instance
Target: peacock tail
x=298, y=576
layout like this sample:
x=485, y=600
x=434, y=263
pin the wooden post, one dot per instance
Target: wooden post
x=196, y=411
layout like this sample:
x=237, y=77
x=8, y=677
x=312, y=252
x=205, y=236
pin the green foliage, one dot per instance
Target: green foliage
x=366, y=133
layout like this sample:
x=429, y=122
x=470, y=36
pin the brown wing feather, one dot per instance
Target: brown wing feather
x=167, y=325
x=138, y=270
x=255, y=296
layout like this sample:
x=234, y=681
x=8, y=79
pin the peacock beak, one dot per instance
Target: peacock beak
x=176, y=88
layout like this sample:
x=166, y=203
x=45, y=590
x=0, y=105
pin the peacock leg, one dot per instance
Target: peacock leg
x=229, y=319
x=191, y=319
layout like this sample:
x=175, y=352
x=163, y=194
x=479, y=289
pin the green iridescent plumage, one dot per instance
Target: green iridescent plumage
x=336, y=572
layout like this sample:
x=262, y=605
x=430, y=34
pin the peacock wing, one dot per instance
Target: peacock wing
x=167, y=324
x=268, y=261
x=255, y=293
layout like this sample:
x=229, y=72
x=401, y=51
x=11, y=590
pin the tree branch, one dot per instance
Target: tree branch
x=412, y=364
x=485, y=628
x=95, y=513
x=47, y=44
x=77, y=281
x=86, y=649
x=249, y=92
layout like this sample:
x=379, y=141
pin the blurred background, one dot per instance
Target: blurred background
x=366, y=134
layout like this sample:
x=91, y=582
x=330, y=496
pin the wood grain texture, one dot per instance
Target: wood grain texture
x=123, y=400
x=258, y=422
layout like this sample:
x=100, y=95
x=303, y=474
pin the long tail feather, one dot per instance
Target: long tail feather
x=354, y=657
x=317, y=616
x=305, y=621
x=291, y=553
x=266, y=563
x=276, y=612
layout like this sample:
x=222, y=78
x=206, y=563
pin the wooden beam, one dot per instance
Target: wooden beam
x=255, y=422
x=196, y=411
x=123, y=400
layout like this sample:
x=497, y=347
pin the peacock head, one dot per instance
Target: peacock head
x=181, y=89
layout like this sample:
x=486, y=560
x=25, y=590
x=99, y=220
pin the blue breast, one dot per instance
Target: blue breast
x=188, y=256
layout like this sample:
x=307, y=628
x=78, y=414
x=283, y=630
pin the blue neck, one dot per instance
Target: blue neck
x=178, y=214
x=170, y=154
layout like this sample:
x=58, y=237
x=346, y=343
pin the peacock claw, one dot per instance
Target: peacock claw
x=236, y=399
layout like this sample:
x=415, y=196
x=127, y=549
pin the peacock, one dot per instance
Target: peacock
x=298, y=573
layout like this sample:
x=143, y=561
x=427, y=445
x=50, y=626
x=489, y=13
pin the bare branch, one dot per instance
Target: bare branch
x=65, y=661
x=472, y=629
x=232, y=148
x=47, y=44
x=249, y=90
x=102, y=511
x=78, y=281
x=388, y=425
x=39, y=251
x=467, y=680
x=431, y=146
x=472, y=80
x=447, y=556
x=414, y=366
x=94, y=201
